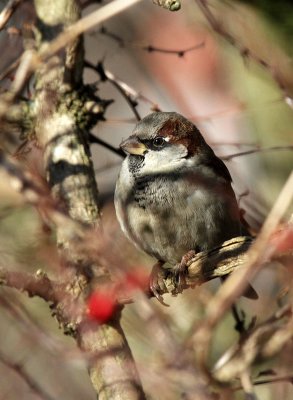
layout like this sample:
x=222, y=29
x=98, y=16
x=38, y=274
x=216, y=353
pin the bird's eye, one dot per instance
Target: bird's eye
x=159, y=141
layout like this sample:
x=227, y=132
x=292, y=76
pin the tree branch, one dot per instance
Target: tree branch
x=244, y=51
x=120, y=86
x=219, y=262
x=172, y=5
x=258, y=150
x=149, y=48
x=7, y=12
x=258, y=254
x=32, y=383
x=35, y=285
x=263, y=342
x=70, y=174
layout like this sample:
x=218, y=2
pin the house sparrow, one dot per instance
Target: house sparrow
x=173, y=194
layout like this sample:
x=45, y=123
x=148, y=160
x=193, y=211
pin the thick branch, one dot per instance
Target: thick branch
x=71, y=176
x=112, y=369
x=67, y=157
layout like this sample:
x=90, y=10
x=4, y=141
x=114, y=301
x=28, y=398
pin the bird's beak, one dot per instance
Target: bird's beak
x=133, y=146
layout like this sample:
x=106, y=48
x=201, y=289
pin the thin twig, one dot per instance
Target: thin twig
x=11, y=67
x=247, y=386
x=172, y=351
x=30, y=381
x=36, y=193
x=33, y=330
x=23, y=72
x=257, y=150
x=149, y=48
x=7, y=12
x=122, y=87
x=179, y=53
x=25, y=68
x=234, y=286
x=31, y=59
x=130, y=93
x=85, y=24
x=244, y=51
x=95, y=139
x=260, y=343
x=288, y=378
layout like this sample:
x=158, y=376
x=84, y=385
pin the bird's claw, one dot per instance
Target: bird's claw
x=180, y=272
x=157, y=282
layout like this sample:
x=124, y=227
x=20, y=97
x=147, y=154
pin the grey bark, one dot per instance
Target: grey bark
x=70, y=173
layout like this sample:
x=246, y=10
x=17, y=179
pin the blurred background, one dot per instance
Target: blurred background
x=238, y=94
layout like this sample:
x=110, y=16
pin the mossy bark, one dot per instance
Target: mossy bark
x=61, y=131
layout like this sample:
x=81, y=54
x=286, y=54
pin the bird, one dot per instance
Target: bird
x=173, y=195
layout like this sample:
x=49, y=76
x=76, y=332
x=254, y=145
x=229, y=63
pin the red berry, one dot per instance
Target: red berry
x=101, y=306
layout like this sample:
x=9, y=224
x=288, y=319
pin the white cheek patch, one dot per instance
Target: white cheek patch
x=167, y=159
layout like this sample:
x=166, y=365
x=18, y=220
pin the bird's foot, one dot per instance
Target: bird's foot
x=157, y=283
x=180, y=272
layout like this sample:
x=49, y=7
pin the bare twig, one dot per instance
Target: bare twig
x=128, y=92
x=244, y=51
x=33, y=330
x=10, y=68
x=31, y=60
x=176, y=361
x=278, y=379
x=234, y=286
x=247, y=386
x=84, y=24
x=219, y=262
x=257, y=150
x=30, y=381
x=23, y=72
x=180, y=53
x=263, y=342
x=130, y=95
x=7, y=12
x=36, y=193
x=149, y=48
x=95, y=139
x=288, y=379
x=35, y=285
x=122, y=87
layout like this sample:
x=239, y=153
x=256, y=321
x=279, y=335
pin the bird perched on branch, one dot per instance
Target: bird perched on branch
x=173, y=194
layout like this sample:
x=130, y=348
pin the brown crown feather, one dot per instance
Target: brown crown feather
x=182, y=132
